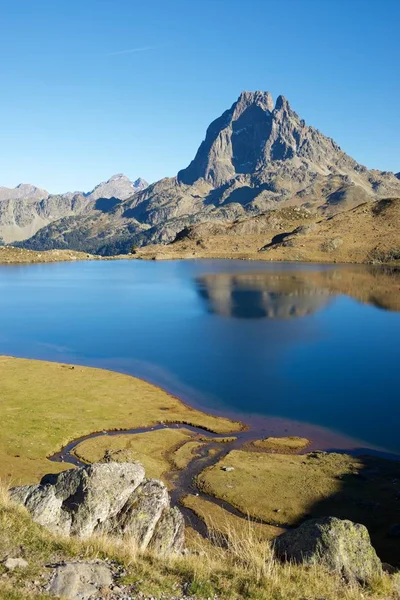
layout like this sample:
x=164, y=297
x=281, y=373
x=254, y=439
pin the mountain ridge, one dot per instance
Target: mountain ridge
x=26, y=209
x=256, y=157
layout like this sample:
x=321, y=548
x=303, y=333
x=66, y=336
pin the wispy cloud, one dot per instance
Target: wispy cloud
x=135, y=50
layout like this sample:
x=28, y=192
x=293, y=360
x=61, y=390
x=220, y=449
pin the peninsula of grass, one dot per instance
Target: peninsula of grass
x=281, y=444
x=46, y=405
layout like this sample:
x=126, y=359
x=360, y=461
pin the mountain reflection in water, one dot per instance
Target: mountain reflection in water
x=292, y=294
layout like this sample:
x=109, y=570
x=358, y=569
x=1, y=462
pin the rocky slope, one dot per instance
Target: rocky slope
x=26, y=209
x=367, y=233
x=256, y=157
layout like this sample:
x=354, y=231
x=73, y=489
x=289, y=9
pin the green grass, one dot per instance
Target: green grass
x=46, y=405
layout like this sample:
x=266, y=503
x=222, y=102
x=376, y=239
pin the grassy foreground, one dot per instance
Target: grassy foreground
x=245, y=569
x=46, y=405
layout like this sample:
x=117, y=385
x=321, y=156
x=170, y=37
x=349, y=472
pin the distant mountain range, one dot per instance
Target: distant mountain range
x=257, y=156
x=25, y=209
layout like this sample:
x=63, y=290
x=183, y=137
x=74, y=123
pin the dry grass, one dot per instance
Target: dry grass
x=245, y=568
x=282, y=444
x=46, y=405
x=368, y=232
x=154, y=449
x=223, y=523
x=11, y=255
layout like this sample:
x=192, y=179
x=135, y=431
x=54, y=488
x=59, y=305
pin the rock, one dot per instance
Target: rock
x=331, y=245
x=80, y=581
x=169, y=535
x=108, y=498
x=228, y=469
x=342, y=546
x=141, y=515
x=15, y=563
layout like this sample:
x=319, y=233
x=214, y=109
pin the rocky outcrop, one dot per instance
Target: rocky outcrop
x=340, y=545
x=110, y=498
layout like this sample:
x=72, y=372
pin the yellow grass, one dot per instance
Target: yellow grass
x=277, y=488
x=222, y=522
x=183, y=455
x=283, y=444
x=245, y=568
x=45, y=405
x=152, y=449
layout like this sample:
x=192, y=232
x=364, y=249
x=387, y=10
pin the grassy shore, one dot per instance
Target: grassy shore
x=46, y=405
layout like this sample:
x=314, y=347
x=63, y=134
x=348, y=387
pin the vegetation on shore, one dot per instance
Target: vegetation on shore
x=47, y=405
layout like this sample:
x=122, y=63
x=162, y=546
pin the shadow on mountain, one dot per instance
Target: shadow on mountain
x=106, y=205
x=291, y=294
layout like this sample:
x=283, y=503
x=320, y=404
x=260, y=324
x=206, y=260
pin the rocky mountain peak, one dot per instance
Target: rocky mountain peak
x=118, y=186
x=262, y=99
x=23, y=191
x=252, y=135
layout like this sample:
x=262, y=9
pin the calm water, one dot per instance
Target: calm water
x=315, y=344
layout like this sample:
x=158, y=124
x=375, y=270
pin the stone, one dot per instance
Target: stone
x=80, y=580
x=340, y=545
x=228, y=469
x=169, y=534
x=15, y=563
x=108, y=498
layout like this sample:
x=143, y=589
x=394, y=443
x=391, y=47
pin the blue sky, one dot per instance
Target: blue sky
x=90, y=88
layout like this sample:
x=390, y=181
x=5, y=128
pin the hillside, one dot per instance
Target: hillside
x=258, y=156
x=368, y=233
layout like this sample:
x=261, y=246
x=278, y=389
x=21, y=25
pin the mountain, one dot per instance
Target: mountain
x=23, y=191
x=257, y=156
x=119, y=186
x=26, y=209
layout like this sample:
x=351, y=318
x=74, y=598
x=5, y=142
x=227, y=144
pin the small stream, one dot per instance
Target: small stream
x=182, y=480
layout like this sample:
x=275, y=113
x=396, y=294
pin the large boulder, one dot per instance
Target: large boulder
x=109, y=498
x=342, y=546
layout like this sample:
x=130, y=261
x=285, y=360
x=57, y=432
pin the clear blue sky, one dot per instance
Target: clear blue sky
x=90, y=88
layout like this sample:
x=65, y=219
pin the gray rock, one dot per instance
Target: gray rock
x=110, y=498
x=331, y=245
x=80, y=581
x=143, y=511
x=342, y=546
x=169, y=534
x=15, y=563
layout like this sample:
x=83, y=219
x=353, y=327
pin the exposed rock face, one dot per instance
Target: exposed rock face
x=256, y=156
x=23, y=191
x=341, y=545
x=26, y=209
x=119, y=186
x=113, y=498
